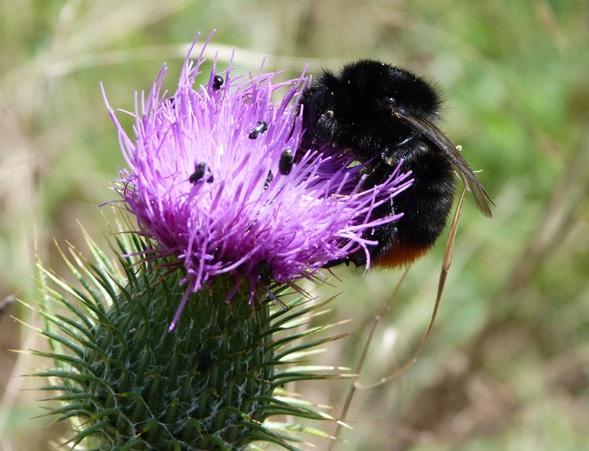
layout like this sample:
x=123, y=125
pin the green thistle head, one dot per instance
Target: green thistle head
x=213, y=383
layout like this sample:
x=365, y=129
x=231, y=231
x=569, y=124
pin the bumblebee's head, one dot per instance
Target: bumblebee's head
x=378, y=86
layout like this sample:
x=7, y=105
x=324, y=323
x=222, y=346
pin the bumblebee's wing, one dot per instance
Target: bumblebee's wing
x=433, y=134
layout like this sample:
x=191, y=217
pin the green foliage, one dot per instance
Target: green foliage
x=210, y=384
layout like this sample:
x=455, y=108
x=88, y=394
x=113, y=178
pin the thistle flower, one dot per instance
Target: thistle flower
x=205, y=181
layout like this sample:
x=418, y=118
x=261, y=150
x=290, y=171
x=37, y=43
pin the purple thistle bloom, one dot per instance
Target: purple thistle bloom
x=209, y=179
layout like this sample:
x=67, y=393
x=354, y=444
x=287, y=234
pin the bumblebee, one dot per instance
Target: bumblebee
x=383, y=115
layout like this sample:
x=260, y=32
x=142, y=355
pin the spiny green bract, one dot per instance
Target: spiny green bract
x=129, y=384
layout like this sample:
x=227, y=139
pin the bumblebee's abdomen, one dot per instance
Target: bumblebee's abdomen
x=426, y=204
x=400, y=255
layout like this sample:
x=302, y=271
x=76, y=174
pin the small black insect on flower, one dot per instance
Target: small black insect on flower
x=261, y=127
x=217, y=82
x=286, y=162
x=200, y=170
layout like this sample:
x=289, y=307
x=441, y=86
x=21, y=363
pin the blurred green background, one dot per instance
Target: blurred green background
x=507, y=365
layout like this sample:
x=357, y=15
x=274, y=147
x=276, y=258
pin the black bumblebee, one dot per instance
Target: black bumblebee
x=384, y=114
